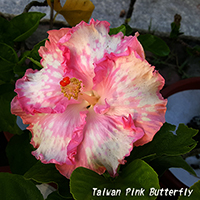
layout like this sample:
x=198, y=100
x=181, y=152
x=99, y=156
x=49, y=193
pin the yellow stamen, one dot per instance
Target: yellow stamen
x=72, y=89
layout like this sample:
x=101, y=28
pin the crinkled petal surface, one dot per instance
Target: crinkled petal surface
x=117, y=107
x=106, y=143
x=55, y=136
x=58, y=137
x=40, y=92
x=131, y=86
x=87, y=44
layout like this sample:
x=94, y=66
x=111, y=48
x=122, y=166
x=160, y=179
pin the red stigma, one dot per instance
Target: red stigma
x=65, y=81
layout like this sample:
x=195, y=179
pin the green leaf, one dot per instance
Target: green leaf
x=35, y=62
x=21, y=66
x=34, y=55
x=8, y=91
x=2, y=82
x=161, y=164
x=56, y=196
x=7, y=32
x=114, y=31
x=23, y=57
x=129, y=30
x=19, y=153
x=7, y=120
x=8, y=59
x=195, y=189
x=154, y=44
x=20, y=70
x=26, y=23
x=34, y=52
x=15, y=187
x=47, y=173
x=175, y=30
x=124, y=28
x=86, y=184
x=167, y=143
x=196, y=48
x=8, y=54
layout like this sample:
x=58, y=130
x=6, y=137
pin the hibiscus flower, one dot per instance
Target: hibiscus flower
x=95, y=98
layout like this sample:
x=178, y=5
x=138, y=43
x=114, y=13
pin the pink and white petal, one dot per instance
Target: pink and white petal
x=92, y=41
x=107, y=141
x=50, y=53
x=58, y=135
x=133, y=43
x=56, y=35
x=102, y=108
x=151, y=119
x=131, y=86
x=40, y=91
x=17, y=110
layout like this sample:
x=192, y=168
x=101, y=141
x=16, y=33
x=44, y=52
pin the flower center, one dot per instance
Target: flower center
x=90, y=97
x=70, y=87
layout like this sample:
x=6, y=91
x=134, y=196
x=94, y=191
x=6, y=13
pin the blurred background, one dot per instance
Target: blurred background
x=154, y=15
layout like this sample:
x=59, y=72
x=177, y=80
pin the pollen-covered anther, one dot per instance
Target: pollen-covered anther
x=70, y=87
x=65, y=81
